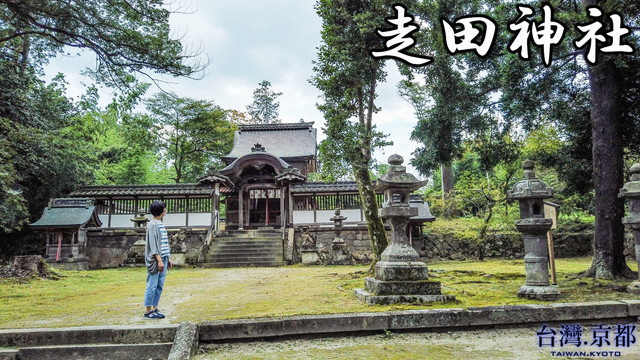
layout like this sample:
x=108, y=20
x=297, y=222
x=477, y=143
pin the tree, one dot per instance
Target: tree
x=126, y=36
x=264, y=108
x=607, y=88
x=123, y=151
x=192, y=134
x=566, y=93
x=347, y=76
x=451, y=103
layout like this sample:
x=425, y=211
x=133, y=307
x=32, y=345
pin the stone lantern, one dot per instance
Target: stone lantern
x=136, y=252
x=399, y=275
x=140, y=221
x=631, y=191
x=337, y=226
x=530, y=193
x=339, y=253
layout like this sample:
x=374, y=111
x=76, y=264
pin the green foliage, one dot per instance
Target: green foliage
x=126, y=36
x=36, y=149
x=265, y=108
x=191, y=134
x=347, y=76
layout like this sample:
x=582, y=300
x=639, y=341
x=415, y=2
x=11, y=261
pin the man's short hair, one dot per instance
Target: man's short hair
x=157, y=207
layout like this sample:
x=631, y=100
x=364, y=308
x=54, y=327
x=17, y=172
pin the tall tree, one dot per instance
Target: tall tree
x=348, y=76
x=566, y=93
x=451, y=100
x=607, y=88
x=192, y=134
x=265, y=108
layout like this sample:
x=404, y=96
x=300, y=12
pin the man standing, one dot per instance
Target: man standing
x=156, y=257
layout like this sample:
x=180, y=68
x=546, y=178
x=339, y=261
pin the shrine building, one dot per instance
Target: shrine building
x=262, y=187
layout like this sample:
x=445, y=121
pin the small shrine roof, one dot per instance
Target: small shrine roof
x=68, y=213
x=424, y=213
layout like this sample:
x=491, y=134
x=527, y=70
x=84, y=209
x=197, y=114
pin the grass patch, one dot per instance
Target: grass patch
x=114, y=296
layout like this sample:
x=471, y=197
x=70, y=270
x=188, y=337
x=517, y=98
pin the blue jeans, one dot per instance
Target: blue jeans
x=155, y=282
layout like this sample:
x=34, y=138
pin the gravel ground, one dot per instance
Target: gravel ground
x=516, y=343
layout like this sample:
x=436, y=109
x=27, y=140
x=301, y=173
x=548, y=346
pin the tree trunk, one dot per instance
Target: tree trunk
x=608, y=245
x=370, y=209
x=446, y=177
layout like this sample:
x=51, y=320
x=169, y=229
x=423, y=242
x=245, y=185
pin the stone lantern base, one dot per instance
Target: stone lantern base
x=544, y=293
x=401, y=282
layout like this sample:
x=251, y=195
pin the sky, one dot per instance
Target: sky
x=248, y=41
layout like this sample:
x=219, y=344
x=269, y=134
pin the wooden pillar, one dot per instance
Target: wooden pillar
x=215, y=206
x=290, y=206
x=240, y=210
x=315, y=207
x=110, y=205
x=266, y=207
x=283, y=212
x=186, y=211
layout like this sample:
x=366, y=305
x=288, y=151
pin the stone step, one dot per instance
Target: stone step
x=244, y=252
x=97, y=351
x=246, y=248
x=245, y=242
x=9, y=354
x=243, y=258
x=231, y=245
x=243, y=264
x=247, y=238
x=120, y=334
x=256, y=233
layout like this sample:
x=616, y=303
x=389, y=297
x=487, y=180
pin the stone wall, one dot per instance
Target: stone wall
x=356, y=239
x=108, y=248
x=447, y=247
x=505, y=245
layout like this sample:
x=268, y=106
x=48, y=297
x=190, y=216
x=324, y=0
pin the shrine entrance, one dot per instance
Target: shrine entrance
x=258, y=190
x=263, y=206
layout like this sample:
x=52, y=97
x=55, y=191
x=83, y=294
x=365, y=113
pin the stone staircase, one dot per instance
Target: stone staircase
x=246, y=248
x=116, y=342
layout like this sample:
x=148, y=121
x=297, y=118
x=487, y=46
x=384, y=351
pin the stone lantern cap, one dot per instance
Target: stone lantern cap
x=631, y=189
x=530, y=187
x=398, y=177
x=337, y=217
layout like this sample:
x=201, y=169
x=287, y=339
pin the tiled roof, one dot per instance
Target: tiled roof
x=67, y=215
x=424, y=213
x=320, y=187
x=275, y=127
x=140, y=190
x=282, y=140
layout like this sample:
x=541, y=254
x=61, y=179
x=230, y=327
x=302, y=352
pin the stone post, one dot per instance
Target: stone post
x=631, y=192
x=136, y=252
x=399, y=276
x=337, y=219
x=339, y=253
x=530, y=193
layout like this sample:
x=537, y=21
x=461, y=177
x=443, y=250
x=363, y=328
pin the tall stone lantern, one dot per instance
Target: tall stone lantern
x=399, y=275
x=631, y=192
x=530, y=193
